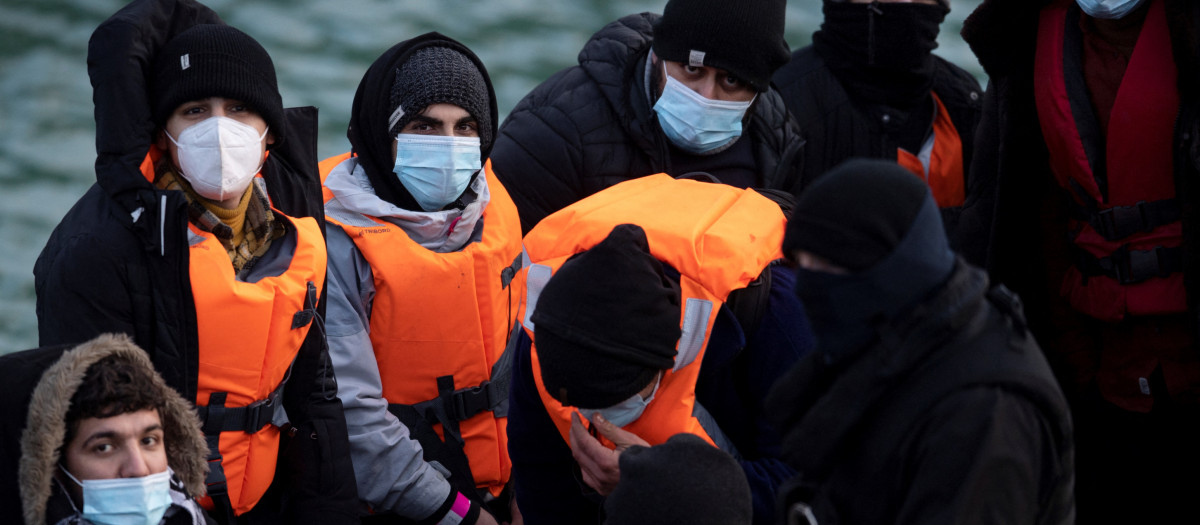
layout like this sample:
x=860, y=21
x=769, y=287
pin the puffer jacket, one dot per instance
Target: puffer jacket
x=44, y=429
x=591, y=126
x=951, y=416
x=118, y=261
x=836, y=129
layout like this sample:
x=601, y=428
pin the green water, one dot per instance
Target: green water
x=320, y=48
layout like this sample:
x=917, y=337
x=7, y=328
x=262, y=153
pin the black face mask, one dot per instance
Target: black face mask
x=882, y=52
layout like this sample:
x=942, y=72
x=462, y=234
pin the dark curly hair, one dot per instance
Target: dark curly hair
x=111, y=387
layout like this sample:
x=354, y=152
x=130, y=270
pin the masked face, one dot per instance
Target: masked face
x=695, y=123
x=123, y=465
x=1109, y=9
x=218, y=145
x=125, y=501
x=627, y=411
x=436, y=169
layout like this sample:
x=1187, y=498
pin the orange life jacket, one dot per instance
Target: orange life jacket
x=440, y=322
x=940, y=161
x=1125, y=225
x=718, y=237
x=249, y=335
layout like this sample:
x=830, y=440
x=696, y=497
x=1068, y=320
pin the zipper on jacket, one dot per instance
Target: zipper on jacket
x=162, y=227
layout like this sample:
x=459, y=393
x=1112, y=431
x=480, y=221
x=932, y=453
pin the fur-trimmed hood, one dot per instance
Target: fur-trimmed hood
x=45, y=427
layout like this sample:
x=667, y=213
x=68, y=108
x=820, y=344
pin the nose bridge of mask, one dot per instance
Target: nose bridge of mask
x=701, y=100
x=436, y=151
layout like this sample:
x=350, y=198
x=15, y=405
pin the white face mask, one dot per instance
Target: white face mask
x=1109, y=9
x=126, y=501
x=219, y=156
x=625, y=412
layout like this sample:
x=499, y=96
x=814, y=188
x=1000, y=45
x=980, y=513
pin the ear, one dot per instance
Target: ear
x=160, y=139
x=270, y=138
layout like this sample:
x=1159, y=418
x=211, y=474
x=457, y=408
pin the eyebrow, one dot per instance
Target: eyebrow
x=107, y=434
x=438, y=122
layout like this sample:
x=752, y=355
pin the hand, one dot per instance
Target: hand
x=485, y=518
x=599, y=465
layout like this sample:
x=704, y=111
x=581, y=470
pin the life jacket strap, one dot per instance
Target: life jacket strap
x=1128, y=266
x=1119, y=222
x=249, y=419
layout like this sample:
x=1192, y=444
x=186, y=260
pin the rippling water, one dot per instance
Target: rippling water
x=320, y=48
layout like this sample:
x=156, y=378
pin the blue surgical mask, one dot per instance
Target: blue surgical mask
x=126, y=501
x=625, y=412
x=436, y=169
x=696, y=124
x=1109, y=9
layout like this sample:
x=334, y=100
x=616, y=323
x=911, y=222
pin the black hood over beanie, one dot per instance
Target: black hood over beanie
x=607, y=322
x=211, y=60
x=685, y=481
x=413, y=74
x=744, y=38
x=881, y=52
x=880, y=222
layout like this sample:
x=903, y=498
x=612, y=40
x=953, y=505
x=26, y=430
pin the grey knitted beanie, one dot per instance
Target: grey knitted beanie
x=436, y=75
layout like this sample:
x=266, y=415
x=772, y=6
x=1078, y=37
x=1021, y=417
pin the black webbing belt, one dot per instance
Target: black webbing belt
x=1128, y=266
x=1119, y=222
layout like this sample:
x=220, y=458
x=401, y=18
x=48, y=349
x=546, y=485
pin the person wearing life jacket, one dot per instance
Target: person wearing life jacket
x=1088, y=145
x=870, y=86
x=686, y=91
x=202, y=239
x=658, y=323
x=102, y=438
x=424, y=253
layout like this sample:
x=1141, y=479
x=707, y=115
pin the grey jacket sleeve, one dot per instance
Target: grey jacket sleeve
x=391, y=471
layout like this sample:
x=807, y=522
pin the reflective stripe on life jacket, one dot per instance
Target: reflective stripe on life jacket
x=249, y=334
x=940, y=161
x=718, y=237
x=445, y=318
x=1126, y=230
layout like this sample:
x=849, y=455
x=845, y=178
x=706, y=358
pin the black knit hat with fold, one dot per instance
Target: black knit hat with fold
x=211, y=60
x=743, y=37
x=607, y=322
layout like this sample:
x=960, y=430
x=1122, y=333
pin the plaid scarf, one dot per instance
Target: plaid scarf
x=259, y=230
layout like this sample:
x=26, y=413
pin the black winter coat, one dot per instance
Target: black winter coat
x=591, y=126
x=952, y=416
x=118, y=261
x=1011, y=160
x=835, y=128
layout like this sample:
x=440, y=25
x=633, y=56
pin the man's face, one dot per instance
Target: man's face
x=128, y=445
x=709, y=82
x=191, y=113
x=446, y=120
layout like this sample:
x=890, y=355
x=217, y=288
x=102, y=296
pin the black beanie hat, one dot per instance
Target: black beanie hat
x=857, y=213
x=607, y=322
x=437, y=75
x=684, y=481
x=742, y=37
x=211, y=60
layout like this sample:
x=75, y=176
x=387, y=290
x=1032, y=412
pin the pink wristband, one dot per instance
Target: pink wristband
x=458, y=511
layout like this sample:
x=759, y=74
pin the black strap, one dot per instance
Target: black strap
x=249, y=419
x=749, y=304
x=509, y=272
x=1128, y=266
x=217, y=488
x=1119, y=222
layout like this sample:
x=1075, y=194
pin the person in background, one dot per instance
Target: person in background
x=927, y=400
x=105, y=439
x=687, y=91
x=424, y=249
x=641, y=324
x=1089, y=141
x=209, y=252
x=870, y=86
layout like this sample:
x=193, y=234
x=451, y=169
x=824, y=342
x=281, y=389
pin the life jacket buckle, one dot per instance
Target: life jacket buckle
x=467, y=402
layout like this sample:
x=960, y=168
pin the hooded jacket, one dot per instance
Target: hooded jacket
x=42, y=438
x=394, y=451
x=951, y=415
x=593, y=125
x=119, y=260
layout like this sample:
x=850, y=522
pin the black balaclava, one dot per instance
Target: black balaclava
x=881, y=52
x=369, y=133
x=880, y=222
x=607, y=322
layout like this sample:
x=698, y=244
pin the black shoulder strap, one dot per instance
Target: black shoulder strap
x=749, y=304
